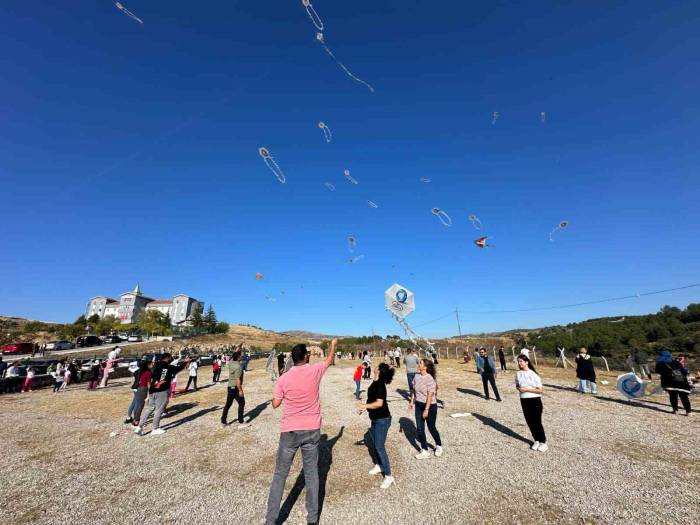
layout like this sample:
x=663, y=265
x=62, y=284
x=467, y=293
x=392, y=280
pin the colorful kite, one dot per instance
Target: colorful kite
x=481, y=243
x=259, y=277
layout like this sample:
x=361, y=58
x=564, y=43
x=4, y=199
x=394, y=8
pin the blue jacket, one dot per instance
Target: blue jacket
x=480, y=363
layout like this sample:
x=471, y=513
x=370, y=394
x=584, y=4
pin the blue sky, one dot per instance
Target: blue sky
x=129, y=153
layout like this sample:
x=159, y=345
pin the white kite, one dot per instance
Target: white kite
x=494, y=118
x=425, y=180
x=399, y=300
x=543, y=117
x=561, y=226
x=326, y=131
x=475, y=221
x=127, y=12
x=630, y=385
x=320, y=39
x=265, y=154
x=347, y=175
x=356, y=259
x=444, y=218
x=352, y=243
x=329, y=186
x=313, y=15
x=372, y=204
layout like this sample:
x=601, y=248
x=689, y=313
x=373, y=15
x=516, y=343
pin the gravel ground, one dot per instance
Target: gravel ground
x=69, y=459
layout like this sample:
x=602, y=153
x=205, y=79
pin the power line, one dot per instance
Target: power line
x=562, y=306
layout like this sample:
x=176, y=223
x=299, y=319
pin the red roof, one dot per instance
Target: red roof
x=112, y=301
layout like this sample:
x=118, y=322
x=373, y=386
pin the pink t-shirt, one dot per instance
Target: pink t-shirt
x=298, y=389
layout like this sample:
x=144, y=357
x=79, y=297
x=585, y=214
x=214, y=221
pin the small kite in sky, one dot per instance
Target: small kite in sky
x=329, y=186
x=271, y=299
x=326, y=131
x=259, y=276
x=265, y=154
x=347, y=175
x=561, y=226
x=127, y=12
x=425, y=180
x=319, y=38
x=313, y=15
x=543, y=117
x=372, y=204
x=444, y=218
x=356, y=259
x=352, y=242
x=481, y=243
x=475, y=221
x=494, y=117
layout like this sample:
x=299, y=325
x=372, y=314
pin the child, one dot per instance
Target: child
x=28, y=381
x=357, y=378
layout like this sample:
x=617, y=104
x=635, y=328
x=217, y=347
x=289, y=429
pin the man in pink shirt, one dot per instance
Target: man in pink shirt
x=300, y=428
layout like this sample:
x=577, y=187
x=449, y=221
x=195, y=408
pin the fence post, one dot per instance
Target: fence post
x=606, y=363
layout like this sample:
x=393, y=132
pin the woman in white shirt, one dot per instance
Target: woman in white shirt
x=193, y=375
x=530, y=387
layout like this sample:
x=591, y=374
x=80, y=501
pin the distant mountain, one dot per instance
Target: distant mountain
x=304, y=334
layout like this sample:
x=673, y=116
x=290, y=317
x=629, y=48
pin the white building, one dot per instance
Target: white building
x=130, y=304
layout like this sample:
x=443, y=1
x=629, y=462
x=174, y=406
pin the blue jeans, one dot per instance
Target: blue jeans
x=357, y=388
x=583, y=386
x=378, y=431
x=409, y=377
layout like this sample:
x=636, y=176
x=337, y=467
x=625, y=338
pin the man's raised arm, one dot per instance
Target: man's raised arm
x=330, y=358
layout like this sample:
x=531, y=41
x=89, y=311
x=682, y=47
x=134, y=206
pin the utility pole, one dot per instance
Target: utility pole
x=374, y=343
x=459, y=326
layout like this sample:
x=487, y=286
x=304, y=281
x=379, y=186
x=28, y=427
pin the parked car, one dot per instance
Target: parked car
x=18, y=348
x=134, y=338
x=111, y=339
x=87, y=340
x=59, y=345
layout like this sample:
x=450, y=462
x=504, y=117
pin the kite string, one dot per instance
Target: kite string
x=572, y=305
x=347, y=71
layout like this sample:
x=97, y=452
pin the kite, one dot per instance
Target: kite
x=259, y=277
x=351, y=243
x=349, y=177
x=630, y=385
x=372, y=204
x=271, y=299
x=356, y=259
x=481, y=243
x=444, y=218
x=543, y=116
x=326, y=131
x=329, y=186
x=265, y=154
x=319, y=38
x=425, y=180
x=128, y=13
x=475, y=221
x=562, y=226
x=313, y=15
x=494, y=117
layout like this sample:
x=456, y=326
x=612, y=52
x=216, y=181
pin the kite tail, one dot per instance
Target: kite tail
x=347, y=71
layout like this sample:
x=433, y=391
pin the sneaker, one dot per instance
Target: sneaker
x=157, y=432
x=388, y=482
x=375, y=470
x=543, y=447
x=535, y=445
x=438, y=452
x=138, y=430
x=128, y=420
x=423, y=454
x=241, y=426
x=687, y=412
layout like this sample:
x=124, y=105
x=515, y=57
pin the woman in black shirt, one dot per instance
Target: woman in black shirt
x=379, y=415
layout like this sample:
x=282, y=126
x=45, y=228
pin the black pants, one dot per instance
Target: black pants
x=490, y=378
x=674, y=395
x=431, y=421
x=233, y=394
x=532, y=410
x=503, y=364
x=189, y=381
x=368, y=371
x=398, y=362
x=215, y=376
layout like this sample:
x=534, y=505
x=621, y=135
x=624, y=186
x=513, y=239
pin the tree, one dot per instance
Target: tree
x=153, y=322
x=80, y=321
x=197, y=319
x=210, y=319
x=221, y=328
x=93, y=319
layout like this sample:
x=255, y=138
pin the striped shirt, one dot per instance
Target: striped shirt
x=422, y=385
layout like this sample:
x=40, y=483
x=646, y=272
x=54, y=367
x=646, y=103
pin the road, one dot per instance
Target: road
x=53, y=353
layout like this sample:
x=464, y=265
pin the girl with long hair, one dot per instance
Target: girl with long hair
x=380, y=418
x=424, y=397
x=529, y=385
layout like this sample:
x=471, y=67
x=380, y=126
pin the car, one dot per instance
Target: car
x=87, y=340
x=111, y=339
x=59, y=345
x=134, y=338
x=18, y=348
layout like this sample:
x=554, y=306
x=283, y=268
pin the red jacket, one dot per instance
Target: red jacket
x=358, y=374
